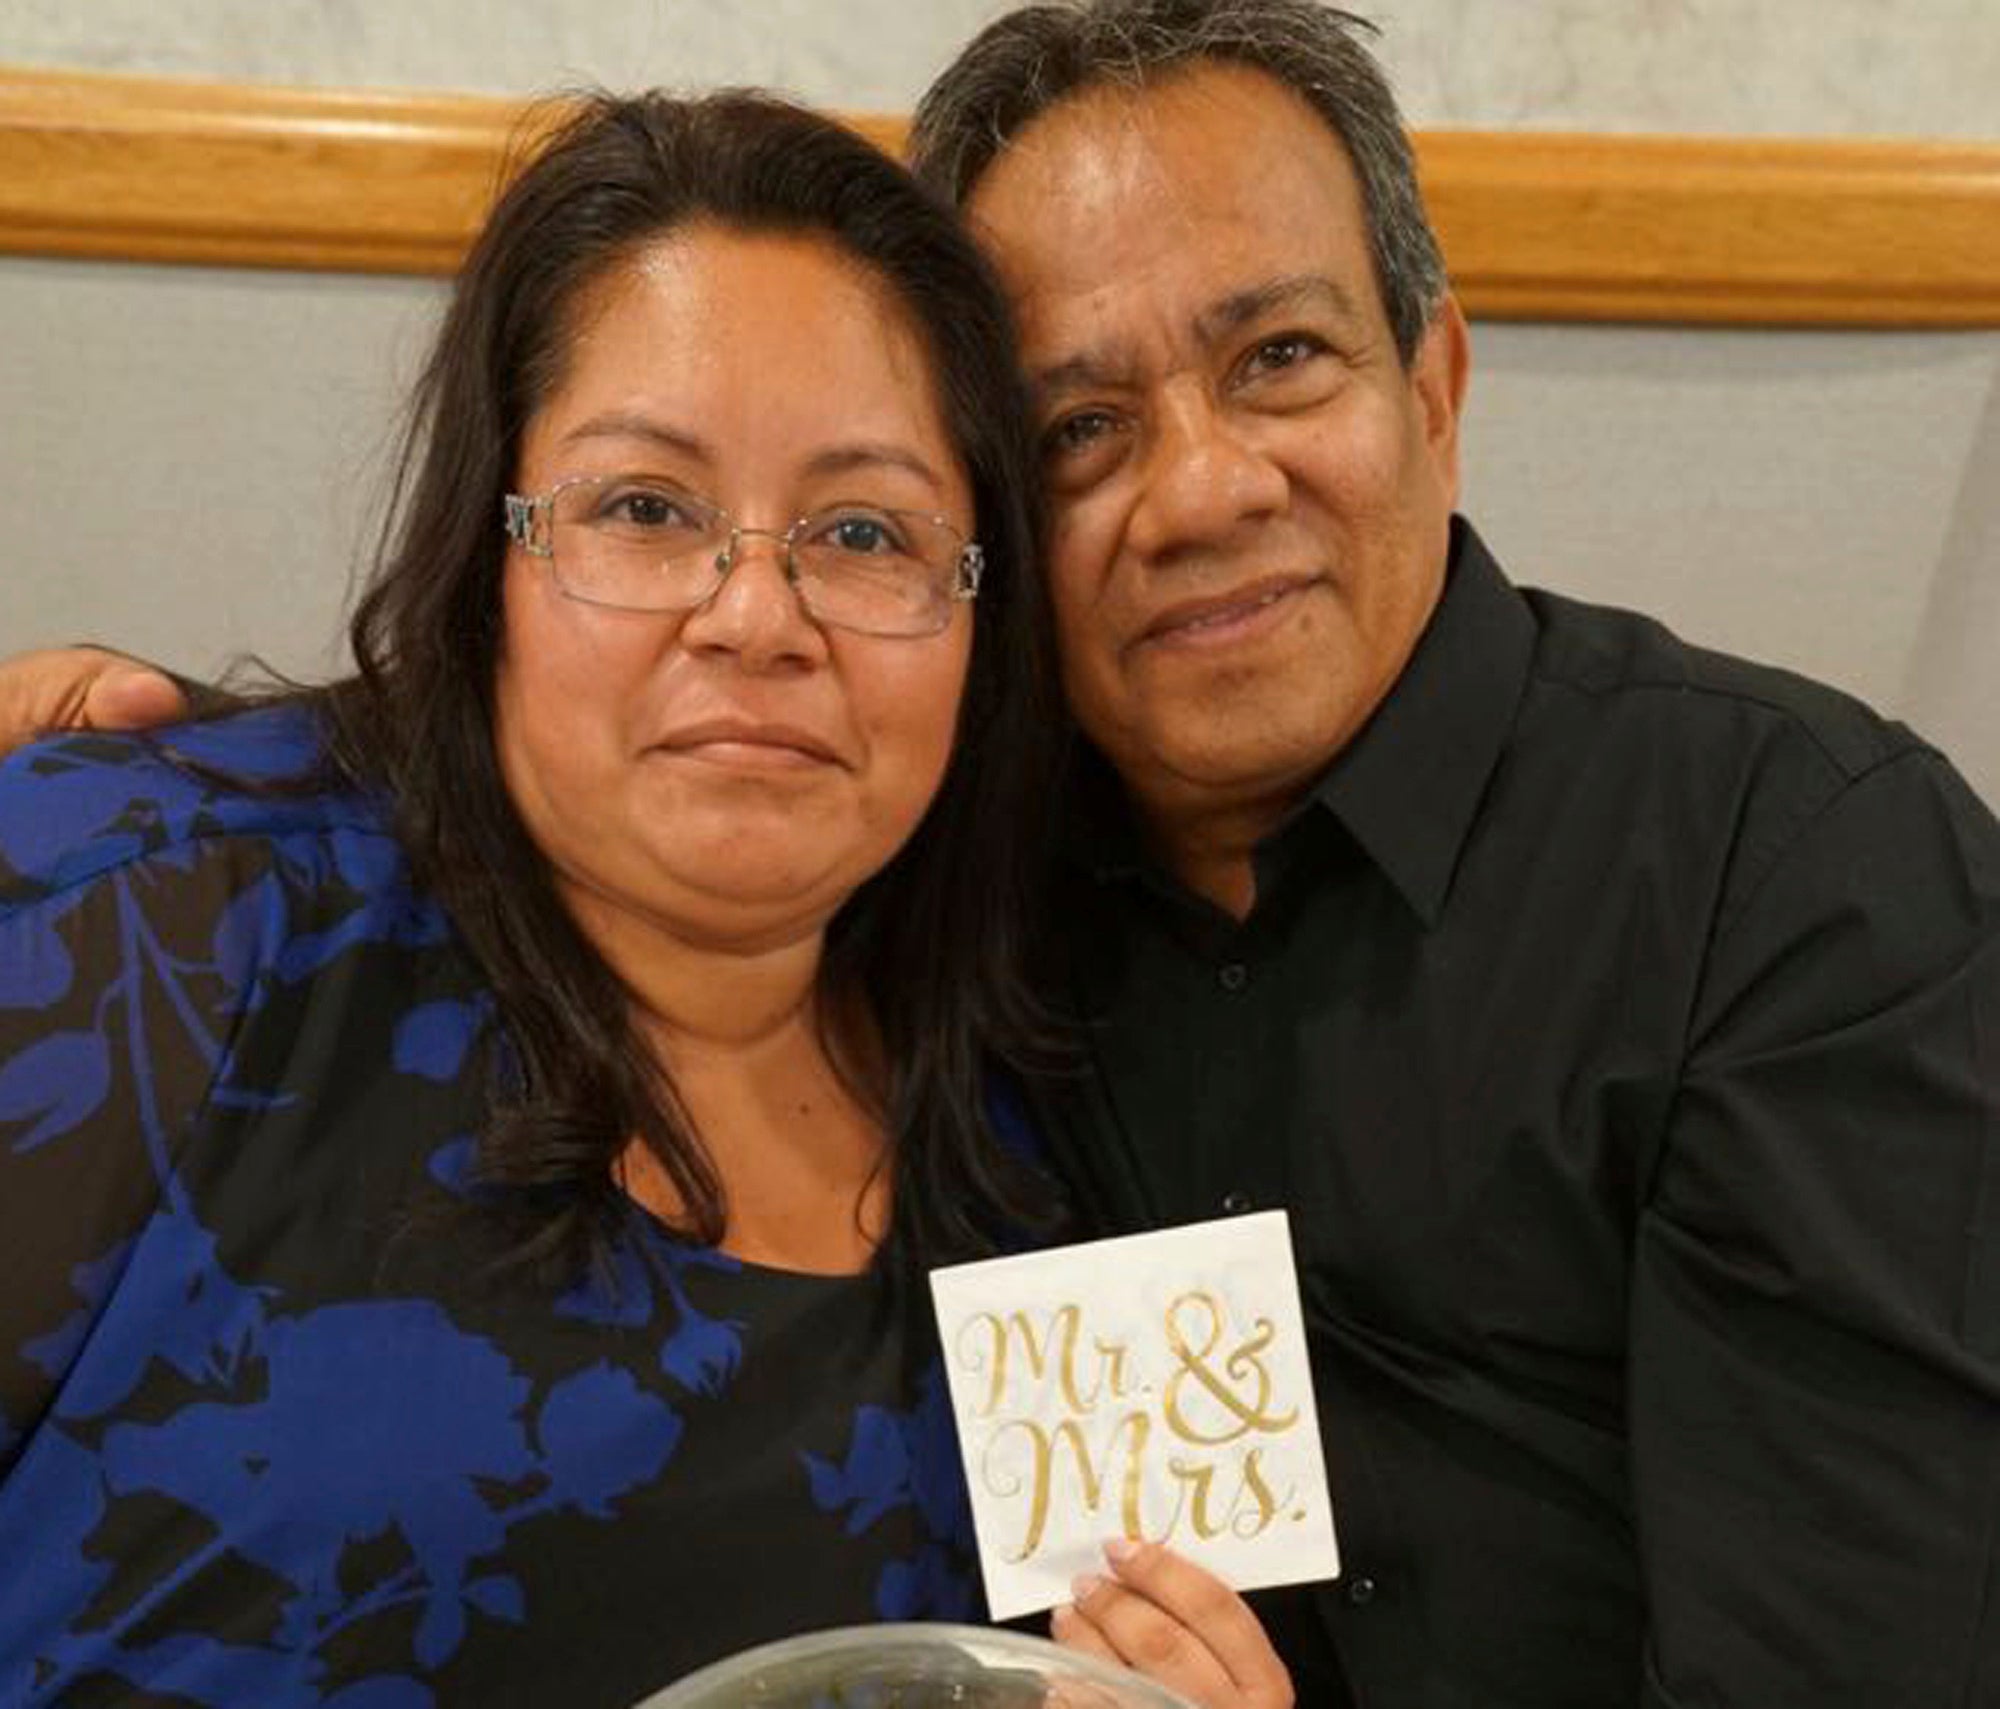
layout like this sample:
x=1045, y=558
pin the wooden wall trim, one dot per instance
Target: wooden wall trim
x=1535, y=225
x=1719, y=230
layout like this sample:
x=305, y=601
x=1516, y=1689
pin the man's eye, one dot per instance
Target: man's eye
x=1078, y=432
x=1276, y=355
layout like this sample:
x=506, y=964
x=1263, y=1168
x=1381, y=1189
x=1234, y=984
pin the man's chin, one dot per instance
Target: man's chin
x=1232, y=762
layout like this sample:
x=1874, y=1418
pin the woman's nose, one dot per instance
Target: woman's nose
x=756, y=611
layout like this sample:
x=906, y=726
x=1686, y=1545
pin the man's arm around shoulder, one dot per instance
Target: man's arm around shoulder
x=82, y=688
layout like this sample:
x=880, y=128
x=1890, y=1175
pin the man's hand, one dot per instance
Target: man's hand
x=81, y=688
x=1165, y=1617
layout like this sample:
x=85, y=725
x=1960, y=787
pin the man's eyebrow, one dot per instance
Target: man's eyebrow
x=1106, y=368
x=1087, y=371
x=1296, y=291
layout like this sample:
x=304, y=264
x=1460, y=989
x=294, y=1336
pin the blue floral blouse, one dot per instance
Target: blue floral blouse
x=271, y=1431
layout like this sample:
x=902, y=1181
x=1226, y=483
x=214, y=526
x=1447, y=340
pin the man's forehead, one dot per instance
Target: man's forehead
x=1103, y=132
x=1113, y=133
x=1204, y=198
x=1191, y=139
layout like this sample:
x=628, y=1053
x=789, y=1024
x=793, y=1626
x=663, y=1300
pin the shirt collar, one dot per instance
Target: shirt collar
x=1408, y=785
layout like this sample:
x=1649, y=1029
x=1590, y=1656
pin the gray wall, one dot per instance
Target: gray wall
x=191, y=460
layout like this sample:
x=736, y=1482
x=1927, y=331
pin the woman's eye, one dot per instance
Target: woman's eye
x=863, y=534
x=638, y=508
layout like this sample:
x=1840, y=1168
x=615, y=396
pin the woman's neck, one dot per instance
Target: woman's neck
x=783, y=1095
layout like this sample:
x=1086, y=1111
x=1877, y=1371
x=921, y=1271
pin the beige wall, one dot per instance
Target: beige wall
x=190, y=460
x=1849, y=67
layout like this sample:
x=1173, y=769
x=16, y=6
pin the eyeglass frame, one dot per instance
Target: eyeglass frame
x=518, y=522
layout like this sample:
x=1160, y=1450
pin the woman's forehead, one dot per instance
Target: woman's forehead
x=737, y=343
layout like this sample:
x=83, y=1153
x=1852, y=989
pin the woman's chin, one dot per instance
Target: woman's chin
x=742, y=901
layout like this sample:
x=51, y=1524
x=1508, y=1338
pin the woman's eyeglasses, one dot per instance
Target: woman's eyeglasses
x=637, y=543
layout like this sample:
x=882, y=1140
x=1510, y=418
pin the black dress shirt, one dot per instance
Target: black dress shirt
x=1620, y=1025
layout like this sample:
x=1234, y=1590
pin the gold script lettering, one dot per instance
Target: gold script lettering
x=1197, y=1479
x=1244, y=1365
x=984, y=1340
x=1043, y=1443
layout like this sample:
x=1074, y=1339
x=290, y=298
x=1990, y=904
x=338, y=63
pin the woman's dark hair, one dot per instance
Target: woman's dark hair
x=932, y=945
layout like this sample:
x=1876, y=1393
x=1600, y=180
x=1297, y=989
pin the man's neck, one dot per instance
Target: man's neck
x=1213, y=852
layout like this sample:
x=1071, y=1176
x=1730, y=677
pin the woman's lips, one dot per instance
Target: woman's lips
x=750, y=744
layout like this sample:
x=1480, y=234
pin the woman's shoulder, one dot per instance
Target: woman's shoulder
x=79, y=807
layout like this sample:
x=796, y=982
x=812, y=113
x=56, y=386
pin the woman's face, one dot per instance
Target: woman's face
x=728, y=775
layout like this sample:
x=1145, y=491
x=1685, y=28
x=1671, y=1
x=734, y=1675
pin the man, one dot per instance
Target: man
x=1617, y=1022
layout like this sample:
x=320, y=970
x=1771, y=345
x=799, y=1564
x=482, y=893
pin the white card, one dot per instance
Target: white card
x=1153, y=1386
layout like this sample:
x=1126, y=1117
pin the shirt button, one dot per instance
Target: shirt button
x=1360, y=1591
x=1232, y=976
x=1235, y=1203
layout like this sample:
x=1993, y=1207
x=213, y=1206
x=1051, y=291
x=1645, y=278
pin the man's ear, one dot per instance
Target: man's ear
x=1439, y=371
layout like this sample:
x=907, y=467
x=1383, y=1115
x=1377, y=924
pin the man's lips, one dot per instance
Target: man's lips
x=1220, y=617
x=750, y=742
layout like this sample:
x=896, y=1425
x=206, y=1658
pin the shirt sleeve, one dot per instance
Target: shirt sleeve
x=1815, y=1349
x=129, y=946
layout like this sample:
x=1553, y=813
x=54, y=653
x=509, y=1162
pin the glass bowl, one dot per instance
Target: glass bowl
x=913, y=1667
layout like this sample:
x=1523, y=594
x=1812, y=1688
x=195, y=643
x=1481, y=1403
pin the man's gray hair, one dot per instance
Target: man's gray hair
x=1034, y=58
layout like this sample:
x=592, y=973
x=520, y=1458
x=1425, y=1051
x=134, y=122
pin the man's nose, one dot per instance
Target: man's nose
x=1202, y=477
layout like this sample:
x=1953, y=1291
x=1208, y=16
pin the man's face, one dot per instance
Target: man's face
x=1251, y=493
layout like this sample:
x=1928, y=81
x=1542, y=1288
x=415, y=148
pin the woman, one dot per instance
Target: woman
x=469, y=1137
x=466, y=1137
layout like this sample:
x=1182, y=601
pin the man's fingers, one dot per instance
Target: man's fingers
x=81, y=688
x=133, y=697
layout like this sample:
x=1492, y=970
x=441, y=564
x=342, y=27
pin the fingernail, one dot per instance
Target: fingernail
x=1119, y=1551
x=1060, y=1616
x=1083, y=1585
